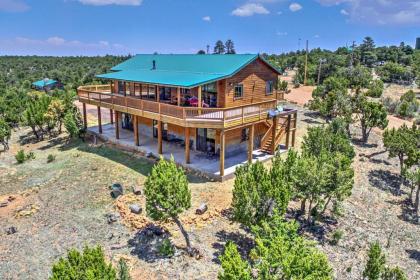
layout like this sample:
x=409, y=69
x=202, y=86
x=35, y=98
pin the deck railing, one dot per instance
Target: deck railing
x=101, y=95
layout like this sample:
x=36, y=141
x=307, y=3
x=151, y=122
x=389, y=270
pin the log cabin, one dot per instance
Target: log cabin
x=218, y=105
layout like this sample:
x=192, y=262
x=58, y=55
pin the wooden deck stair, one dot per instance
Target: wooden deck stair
x=267, y=140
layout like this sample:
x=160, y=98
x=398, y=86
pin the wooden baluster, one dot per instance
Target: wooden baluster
x=111, y=115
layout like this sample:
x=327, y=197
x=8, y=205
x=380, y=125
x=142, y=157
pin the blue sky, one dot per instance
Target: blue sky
x=98, y=27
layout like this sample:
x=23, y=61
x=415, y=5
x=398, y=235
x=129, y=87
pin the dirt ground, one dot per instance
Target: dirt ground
x=66, y=203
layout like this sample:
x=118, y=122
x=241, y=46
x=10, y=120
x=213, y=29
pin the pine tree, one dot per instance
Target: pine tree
x=168, y=195
x=230, y=47
x=375, y=265
x=233, y=267
x=219, y=48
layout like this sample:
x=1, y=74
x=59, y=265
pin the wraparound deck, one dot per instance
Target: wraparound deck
x=195, y=117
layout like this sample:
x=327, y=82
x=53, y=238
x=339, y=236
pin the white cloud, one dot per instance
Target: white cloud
x=13, y=6
x=250, y=9
x=207, y=18
x=59, y=46
x=294, y=7
x=379, y=12
x=316, y=36
x=282, y=33
x=112, y=2
x=344, y=12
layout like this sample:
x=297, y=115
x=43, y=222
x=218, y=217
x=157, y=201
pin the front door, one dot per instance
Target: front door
x=127, y=121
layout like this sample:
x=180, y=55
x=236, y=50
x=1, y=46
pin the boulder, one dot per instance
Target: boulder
x=116, y=190
x=112, y=217
x=202, y=209
x=137, y=190
x=135, y=208
x=11, y=230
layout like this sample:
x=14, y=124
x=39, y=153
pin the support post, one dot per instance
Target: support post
x=187, y=145
x=178, y=96
x=289, y=117
x=111, y=115
x=99, y=120
x=199, y=99
x=222, y=152
x=273, y=135
x=250, y=143
x=136, y=130
x=159, y=137
x=294, y=129
x=157, y=93
x=117, y=125
x=84, y=115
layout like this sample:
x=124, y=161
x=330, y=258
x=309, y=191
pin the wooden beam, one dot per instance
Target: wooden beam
x=117, y=125
x=294, y=129
x=187, y=145
x=250, y=143
x=222, y=152
x=273, y=135
x=111, y=115
x=159, y=137
x=199, y=97
x=136, y=130
x=99, y=120
x=157, y=93
x=84, y=115
x=178, y=96
x=289, y=117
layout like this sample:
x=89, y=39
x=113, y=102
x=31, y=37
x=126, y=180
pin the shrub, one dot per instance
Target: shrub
x=234, y=268
x=20, y=156
x=50, y=158
x=30, y=155
x=166, y=249
x=376, y=262
x=89, y=264
x=123, y=273
x=337, y=236
x=72, y=126
x=376, y=89
x=389, y=104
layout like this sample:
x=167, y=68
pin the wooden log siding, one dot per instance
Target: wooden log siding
x=253, y=78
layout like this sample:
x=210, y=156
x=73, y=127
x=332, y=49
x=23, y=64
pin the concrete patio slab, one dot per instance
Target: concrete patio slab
x=200, y=162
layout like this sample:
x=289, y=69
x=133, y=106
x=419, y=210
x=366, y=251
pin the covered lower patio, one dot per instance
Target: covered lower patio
x=199, y=161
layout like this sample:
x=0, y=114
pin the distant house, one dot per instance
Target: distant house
x=47, y=84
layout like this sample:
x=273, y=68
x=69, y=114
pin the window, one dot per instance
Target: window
x=165, y=93
x=269, y=87
x=239, y=91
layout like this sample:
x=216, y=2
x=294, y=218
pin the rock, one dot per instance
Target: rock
x=112, y=217
x=202, y=209
x=4, y=203
x=135, y=208
x=116, y=190
x=11, y=230
x=11, y=198
x=137, y=190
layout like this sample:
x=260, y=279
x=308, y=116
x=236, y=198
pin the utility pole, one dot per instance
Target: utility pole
x=321, y=60
x=352, y=54
x=306, y=64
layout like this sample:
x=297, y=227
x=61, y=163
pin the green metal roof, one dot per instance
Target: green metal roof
x=184, y=70
x=44, y=83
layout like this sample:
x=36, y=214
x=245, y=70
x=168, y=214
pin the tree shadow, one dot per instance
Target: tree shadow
x=146, y=242
x=408, y=213
x=414, y=254
x=57, y=141
x=318, y=229
x=360, y=143
x=386, y=181
x=312, y=118
x=242, y=241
